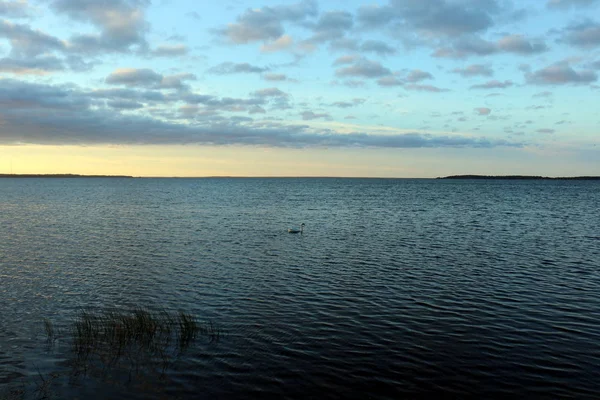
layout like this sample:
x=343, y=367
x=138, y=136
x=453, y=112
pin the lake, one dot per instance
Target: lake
x=396, y=288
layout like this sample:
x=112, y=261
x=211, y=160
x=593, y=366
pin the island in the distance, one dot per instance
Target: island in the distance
x=61, y=176
x=516, y=177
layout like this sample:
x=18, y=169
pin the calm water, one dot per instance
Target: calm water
x=396, y=287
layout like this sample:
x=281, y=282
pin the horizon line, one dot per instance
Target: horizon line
x=450, y=177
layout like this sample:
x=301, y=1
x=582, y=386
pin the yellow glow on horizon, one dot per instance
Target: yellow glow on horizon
x=191, y=160
x=200, y=161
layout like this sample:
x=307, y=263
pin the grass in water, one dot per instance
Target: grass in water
x=139, y=338
x=49, y=328
x=114, y=331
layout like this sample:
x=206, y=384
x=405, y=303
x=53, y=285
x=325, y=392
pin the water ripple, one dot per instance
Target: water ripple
x=397, y=288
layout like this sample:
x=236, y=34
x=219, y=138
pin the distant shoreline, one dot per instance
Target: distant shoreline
x=495, y=177
x=523, y=177
x=61, y=176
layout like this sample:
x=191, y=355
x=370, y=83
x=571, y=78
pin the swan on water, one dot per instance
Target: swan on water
x=296, y=230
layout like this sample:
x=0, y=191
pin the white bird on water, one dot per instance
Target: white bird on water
x=296, y=230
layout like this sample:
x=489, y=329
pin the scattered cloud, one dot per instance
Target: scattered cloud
x=475, y=46
x=416, y=75
x=560, y=73
x=121, y=23
x=266, y=24
x=482, y=111
x=348, y=59
x=520, y=45
x=331, y=25
x=125, y=104
x=431, y=18
x=32, y=66
x=146, y=77
x=227, y=68
x=378, y=47
x=275, y=77
x=424, y=88
x=493, y=84
x=474, y=70
x=546, y=130
x=14, y=9
x=168, y=50
x=389, y=81
x=583, y=34
x=364, y=68
x=310, y=115
x=269, y=92
x=284, y=42
x=26, y=42
x=348, y=104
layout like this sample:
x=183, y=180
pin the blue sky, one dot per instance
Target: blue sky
x=349, y=88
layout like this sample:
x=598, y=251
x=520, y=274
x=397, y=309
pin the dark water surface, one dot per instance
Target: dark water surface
x=396, y=287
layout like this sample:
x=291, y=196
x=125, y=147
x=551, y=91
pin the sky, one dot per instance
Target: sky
x=370, y=88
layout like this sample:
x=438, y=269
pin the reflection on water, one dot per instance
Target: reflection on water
x=395, y=287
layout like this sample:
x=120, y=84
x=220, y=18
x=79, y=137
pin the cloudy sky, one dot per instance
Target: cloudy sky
x=394, y=88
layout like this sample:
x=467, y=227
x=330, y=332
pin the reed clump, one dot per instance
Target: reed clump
x=113, y=331
x=133, y=339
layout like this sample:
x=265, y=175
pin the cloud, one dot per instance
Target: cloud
x=14, y=9
x=424, y=88
x=269, y=92
x=310, y=115
x=416, y=75
x=474, y=70
x=282, y=43
x=543, y=94
x=546, y=130
x=570, y=3
x=31, y=66
x=348, y=104
x=467, y=46
x=266, y=24
x=364, y=68
x=134, y=77
x=585, y=34
x=168, y=50
x=34, y=113
x=233, y=68
x=349, y=59
x=275, y=77
x=27, y=42
x=344, y=44
x=389, y=81
x=257, y=110
x=331, y=25
x=378, y=47
x=493, y=84
x=133, y=95
x=560, y=74
x=482, y=111
x=121, y=23
x=145, y=77
x=431, y=18
x=375, y=16
x=518, y=44
x=125, y=104
x=25, y=96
